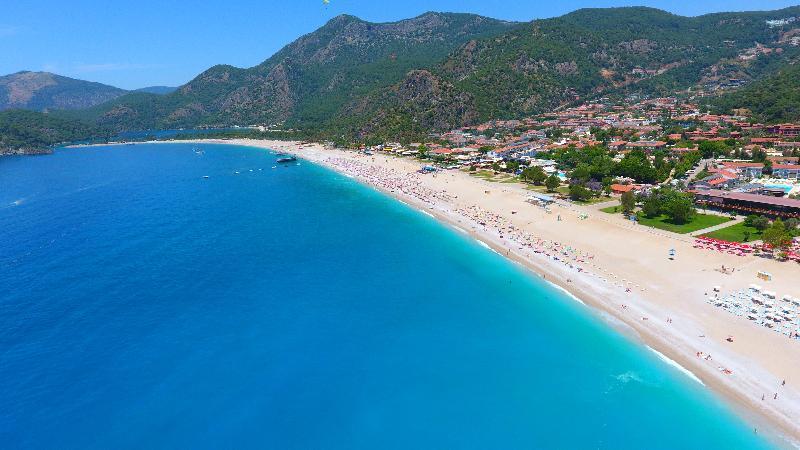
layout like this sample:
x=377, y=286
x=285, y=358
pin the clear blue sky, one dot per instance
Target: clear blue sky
x=140, y=43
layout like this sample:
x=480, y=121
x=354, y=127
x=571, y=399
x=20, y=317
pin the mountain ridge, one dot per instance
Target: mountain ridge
x=354, y=79
x=311, y=77
x=44, y=90
x=548, y=63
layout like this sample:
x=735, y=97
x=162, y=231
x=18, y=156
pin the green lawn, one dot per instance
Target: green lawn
x=500, y=177
x=560, y=190
x=699, y=222
x=612, y=209
x=593, y=200
x=735, y=233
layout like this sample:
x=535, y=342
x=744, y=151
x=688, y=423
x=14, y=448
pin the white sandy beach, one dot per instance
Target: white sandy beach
x=620, y=269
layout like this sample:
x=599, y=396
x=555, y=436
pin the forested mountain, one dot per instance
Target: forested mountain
x=160, y=90
x=309, y=80
x=438, y=70
x=544, y=64
x=773, y=99
x=23, y=131
x=405, y=79
x=40, y=91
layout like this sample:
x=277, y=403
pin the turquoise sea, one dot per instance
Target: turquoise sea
x=144, y=306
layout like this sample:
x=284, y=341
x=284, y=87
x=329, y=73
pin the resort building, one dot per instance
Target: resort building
x=744, y=203
x=786, y=171
x=715, y=181
x=745, y=170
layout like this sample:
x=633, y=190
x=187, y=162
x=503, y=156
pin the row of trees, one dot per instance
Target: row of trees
x=596, y=163
x=778, y=234
x=677, y=206
x=537, y=176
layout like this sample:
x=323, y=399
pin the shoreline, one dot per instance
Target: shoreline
x=675, y=345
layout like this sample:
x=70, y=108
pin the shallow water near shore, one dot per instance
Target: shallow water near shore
x=143, y=305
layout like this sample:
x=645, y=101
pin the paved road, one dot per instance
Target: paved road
x=691, y=174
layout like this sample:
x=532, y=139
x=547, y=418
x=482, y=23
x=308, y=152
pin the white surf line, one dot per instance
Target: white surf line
x=427, y=213
x=674, y=364
x=566, y=292
x=460, y=229
x=485, y=245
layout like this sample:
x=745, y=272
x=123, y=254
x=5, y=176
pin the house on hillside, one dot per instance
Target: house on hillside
x=785, y=129
x=647, y=146
x=617, y=145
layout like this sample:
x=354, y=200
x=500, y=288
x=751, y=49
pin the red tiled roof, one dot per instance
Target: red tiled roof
x=742, y=164
x=622, y=187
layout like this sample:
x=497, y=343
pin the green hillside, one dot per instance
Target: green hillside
x=307, y=81
x=41, y=91
x=403, y=80
x=24, y=131
x=545, y=64
x=771, y=100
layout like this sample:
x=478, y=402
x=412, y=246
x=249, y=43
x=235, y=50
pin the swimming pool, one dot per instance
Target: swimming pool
x=785, y=187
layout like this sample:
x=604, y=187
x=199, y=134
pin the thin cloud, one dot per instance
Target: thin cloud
x=8, y=30
x=112, y=67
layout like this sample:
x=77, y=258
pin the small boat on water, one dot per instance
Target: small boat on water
x=287, y=159
x=205, y=176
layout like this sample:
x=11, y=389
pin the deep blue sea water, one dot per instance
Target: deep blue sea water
x=143, y=306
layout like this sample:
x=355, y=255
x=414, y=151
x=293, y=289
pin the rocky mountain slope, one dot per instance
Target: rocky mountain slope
x=309, y=80
x=41, y=91
x=544, y=64
x=403, y=80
